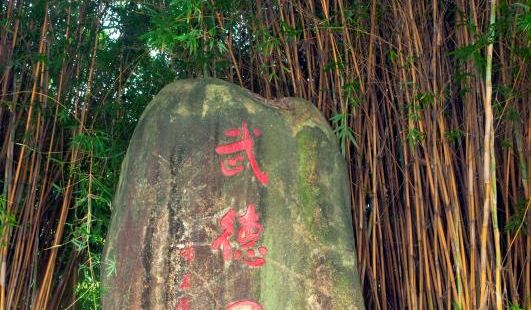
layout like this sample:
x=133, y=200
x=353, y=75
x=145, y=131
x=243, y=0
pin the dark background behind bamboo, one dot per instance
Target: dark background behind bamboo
x=438, y=155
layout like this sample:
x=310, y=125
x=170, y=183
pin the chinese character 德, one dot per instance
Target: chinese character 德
x=232, y=166
x=249, y=233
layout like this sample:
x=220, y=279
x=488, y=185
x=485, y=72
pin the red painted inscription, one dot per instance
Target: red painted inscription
x=184, y=304
x=248, y=235
x=244, y=305
x=185, y=283
x=188, y=254
x=233, y=166
x=223, y=242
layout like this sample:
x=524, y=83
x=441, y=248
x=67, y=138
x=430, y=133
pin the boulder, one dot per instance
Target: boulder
x=227, y=200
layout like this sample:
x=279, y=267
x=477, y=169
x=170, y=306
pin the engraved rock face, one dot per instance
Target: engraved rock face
x=229, y=201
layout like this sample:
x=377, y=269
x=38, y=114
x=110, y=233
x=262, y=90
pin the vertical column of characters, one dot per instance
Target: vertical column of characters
x=188, y=255
x=241, y=233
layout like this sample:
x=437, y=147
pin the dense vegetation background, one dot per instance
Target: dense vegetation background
x=429, y=100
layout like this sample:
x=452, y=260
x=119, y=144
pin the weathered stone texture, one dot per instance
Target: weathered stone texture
x=172, y=194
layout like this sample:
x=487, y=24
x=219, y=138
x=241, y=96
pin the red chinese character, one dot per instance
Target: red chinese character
x=250, y=228
x=185, y=283
x=231, y=166
x=188, y=253
x=244, y=305
x=184, y=304
x=248, y=234
x=223, y=242
x=252, y=260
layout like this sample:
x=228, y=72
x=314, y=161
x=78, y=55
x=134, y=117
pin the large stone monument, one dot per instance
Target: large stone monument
x=230, y=201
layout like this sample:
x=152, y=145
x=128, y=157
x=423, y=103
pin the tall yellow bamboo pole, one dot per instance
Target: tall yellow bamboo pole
x=489, y=175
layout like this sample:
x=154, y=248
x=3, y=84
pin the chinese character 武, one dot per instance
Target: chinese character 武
x=233, y=166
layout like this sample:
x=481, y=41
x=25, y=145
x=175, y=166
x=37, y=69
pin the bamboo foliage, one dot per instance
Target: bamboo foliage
x=429, y=100
x=28, y=189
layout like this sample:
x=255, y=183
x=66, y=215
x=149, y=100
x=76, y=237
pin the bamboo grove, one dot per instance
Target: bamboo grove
x=429, y=100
